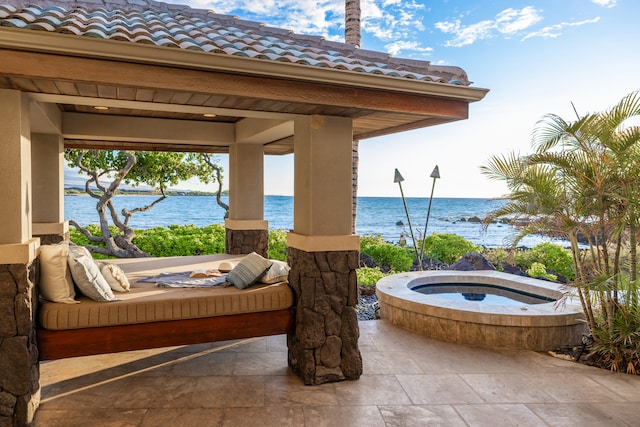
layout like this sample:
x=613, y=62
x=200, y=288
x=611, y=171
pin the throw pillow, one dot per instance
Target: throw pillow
x=114, y=276
x=248, y=271
x=279, y=272
x=56, y=284
x=87, y=277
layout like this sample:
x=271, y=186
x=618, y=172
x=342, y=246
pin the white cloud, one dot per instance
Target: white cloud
x=391, y=20
x=321, y=17
x=511, y=21
x=506, y=23
x=605, y=3
x=554, y=31
x=396, y=22
x=399, y=46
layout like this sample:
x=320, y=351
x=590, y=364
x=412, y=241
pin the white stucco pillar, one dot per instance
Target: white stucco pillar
x=247, y=230
x=16, y=207
x=323, y=254
x=323, y=173
x=48, y=185
x=19, y=382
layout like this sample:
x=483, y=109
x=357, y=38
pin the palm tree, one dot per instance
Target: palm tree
x=583, y=179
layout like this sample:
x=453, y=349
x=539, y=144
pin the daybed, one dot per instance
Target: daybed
x=150, y=317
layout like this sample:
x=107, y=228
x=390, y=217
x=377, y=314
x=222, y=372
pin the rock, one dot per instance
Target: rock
x=429, y=264
x=399, y=223
x=15, y=366
x=366, y=290
x=474, y=219
x=324, y=347
x=367, y=260
x=330, y=352
x=472, y=261
x=7, y=403
x=512, y=269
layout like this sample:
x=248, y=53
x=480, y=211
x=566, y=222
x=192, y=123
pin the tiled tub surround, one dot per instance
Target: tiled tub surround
x=519, y=326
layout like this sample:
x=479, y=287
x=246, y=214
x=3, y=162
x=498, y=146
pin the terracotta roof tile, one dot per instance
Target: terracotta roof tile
x=174, y=26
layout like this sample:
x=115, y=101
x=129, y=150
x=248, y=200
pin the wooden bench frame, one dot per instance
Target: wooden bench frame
x=60, y=344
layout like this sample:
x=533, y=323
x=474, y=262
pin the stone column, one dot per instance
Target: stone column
x=19, y=369
x=323, y=254
x=47, y=173
x=246, y=229
x=244, y=237
x=20, y=378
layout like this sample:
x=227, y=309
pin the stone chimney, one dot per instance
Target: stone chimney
x=352, y=22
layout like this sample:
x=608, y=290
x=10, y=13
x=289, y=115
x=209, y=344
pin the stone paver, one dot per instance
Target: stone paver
x=421, y=382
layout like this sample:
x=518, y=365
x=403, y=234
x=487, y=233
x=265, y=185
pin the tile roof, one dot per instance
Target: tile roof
x=177, y=26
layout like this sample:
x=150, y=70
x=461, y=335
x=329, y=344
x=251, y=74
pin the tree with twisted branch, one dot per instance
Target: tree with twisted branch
x=108, y=170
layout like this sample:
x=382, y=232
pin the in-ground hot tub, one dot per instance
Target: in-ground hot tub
x=544, y=322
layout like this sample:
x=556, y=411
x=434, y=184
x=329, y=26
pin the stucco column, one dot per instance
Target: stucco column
x=47, y=172
x=19, y=372
x=246, y=229
x=323, y=254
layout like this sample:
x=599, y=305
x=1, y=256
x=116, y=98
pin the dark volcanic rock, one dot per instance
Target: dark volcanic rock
x=472, y=261
x=367, y=261
x=512, y=269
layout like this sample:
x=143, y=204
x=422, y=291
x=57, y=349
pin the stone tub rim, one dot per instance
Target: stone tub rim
x=396, y=290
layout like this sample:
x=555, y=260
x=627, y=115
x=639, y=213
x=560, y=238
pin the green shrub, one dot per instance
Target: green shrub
x=278, y=248
x=538, y=269
x=551, y=255
x=616, y=340
x=369, y=276
x=496, y=256
x=182, y=240
x=448, y=248
x=384, y=253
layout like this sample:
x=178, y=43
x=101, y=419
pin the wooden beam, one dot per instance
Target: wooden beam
x=45, y=118
x=402, y=128
x=60, y=344
x=262, y=131
x=114, y=73
x=282, y=147
x=101, y=127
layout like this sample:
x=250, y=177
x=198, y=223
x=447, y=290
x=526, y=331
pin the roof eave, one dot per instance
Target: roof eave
x=64, y=44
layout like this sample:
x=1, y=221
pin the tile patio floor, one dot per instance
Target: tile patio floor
x=408, y=380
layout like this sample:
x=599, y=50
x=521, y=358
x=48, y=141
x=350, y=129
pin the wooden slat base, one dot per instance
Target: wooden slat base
x=112, y=339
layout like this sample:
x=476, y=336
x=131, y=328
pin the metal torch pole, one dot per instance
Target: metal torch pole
x=435, y=175
x=398, y=178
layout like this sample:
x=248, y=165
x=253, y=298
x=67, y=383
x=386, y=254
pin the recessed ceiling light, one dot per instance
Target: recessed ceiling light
x=208, y=115
x=100, y=108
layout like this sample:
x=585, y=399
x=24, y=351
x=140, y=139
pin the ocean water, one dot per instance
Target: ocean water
x=376, y=215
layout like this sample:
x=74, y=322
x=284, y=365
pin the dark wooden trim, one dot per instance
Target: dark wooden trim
x=153, y=77
x=112, y=339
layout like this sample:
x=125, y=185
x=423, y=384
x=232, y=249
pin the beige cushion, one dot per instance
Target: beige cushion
x=87, y=277
x=114, y=276
x=279, y=272
x=148, y=303
x=55, y=278
x=76, y=251
x=248, y=271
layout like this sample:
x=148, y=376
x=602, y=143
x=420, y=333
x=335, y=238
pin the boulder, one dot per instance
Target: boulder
x=472, y=261
x=367, y=261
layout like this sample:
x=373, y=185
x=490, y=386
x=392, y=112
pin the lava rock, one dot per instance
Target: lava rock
x=472, y=261
x=367, y=261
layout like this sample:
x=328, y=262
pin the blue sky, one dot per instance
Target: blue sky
x=535, y=56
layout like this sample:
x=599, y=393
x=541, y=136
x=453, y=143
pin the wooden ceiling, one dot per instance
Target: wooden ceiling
x=77, y=85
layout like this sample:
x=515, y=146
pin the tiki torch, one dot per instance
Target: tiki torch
x=435, y=175
x=398, y=178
